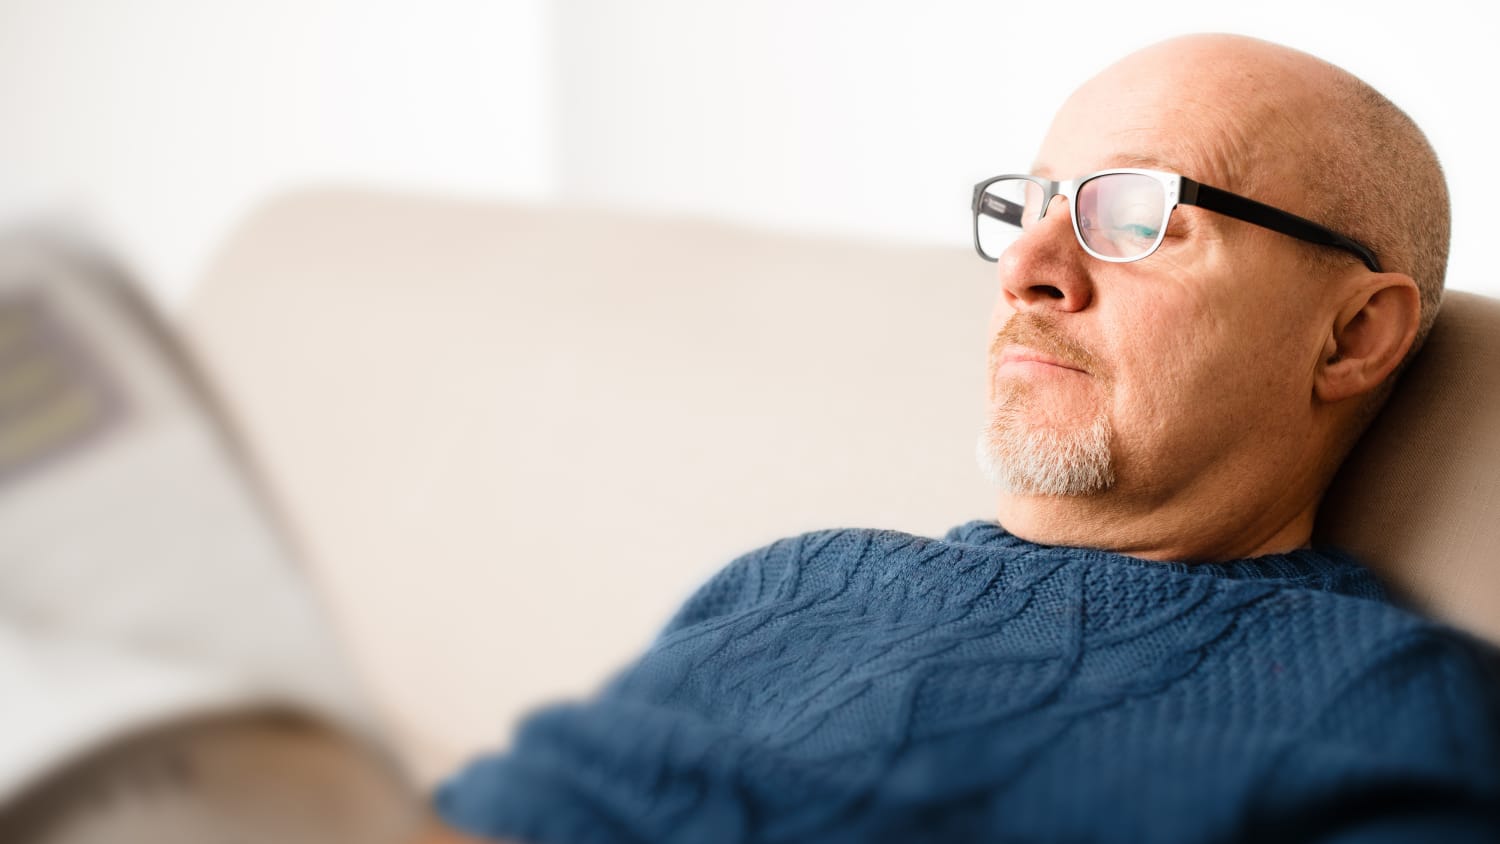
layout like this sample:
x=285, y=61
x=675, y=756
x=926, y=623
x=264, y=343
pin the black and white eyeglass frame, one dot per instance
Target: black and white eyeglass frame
x=1179, y=190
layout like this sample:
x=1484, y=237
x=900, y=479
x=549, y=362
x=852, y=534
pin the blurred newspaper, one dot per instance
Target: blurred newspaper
x=147, y=599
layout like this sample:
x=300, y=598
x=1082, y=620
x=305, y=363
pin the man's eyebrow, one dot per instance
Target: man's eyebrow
x=1143, y=161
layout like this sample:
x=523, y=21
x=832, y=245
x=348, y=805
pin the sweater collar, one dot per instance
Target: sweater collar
x=1322, y=568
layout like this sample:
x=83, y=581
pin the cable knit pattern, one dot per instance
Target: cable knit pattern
x=870, y=686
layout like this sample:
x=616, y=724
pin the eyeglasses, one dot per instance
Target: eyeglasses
x=1121, y=215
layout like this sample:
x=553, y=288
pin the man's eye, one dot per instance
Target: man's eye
x=1138, y=230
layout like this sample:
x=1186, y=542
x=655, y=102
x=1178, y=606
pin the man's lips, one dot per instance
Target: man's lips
x=1019, y=357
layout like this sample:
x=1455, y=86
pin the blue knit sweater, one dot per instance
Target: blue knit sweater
x=872, y=686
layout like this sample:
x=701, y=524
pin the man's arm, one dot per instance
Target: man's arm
x=1406, y=752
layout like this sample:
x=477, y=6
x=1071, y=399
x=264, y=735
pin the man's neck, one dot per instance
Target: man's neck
x=1197, y=532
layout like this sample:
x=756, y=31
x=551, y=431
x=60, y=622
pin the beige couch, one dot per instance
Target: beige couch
x=511, y=439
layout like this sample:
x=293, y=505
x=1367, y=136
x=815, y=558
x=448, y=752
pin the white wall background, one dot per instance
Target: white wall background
x=159, y=123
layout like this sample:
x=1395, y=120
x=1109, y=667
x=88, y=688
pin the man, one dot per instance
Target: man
x=1143, y=646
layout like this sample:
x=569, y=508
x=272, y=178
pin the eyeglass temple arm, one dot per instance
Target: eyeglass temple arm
x=993, y=206
x=1242, y=208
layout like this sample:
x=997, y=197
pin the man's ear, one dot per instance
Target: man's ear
x=1369, y=337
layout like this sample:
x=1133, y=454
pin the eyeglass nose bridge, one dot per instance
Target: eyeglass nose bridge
x=1049, y=192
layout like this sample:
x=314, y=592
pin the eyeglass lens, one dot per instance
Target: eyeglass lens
x=1120, y=215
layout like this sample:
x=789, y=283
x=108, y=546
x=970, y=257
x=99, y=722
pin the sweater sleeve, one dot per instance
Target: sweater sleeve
x=1407, y=750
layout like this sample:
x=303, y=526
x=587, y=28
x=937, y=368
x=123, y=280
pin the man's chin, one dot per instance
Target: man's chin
x=1023, y=458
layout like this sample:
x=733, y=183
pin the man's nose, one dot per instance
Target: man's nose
x=1045, y=267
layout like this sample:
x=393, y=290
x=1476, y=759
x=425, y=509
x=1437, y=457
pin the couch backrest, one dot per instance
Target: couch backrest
x=1419, y=499
x=513, y=438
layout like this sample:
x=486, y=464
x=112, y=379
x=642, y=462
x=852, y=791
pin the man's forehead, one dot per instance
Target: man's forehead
x=1199, y=115
x=1143, y=160
x=1209, y=143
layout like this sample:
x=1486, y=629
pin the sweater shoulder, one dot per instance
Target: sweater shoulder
x=782, y=570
